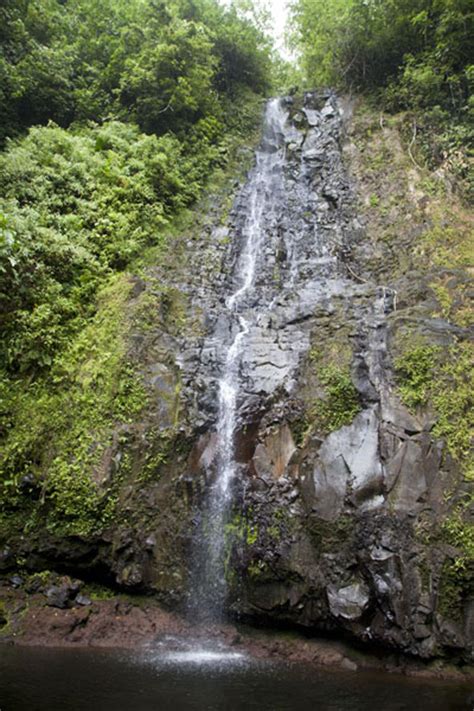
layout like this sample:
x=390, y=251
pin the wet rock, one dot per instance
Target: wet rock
x=406, y=477
x=349, y=665
x=34, y=584
x=7, y=558
x=274, y=455
x=330, y=485
x=59, y=596
x=150, y=543
x=312, y=116
x=348, y=602
x=62, y=593
x=392, y=411
x=82, y=600
x=16, y=581
x=349, y=457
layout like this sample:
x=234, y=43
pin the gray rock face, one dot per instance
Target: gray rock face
x=348, y=602
x=331, y=520
x=349, y=460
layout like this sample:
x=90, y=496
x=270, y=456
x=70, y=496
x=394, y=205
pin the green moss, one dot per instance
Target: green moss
x=428, y=376
x=425, y=575
x=98, y=592
x=458, y=531
x=274, y=531
x=330, y=535
x=257, y=569
x=337, y=407
x=448, y=243
x=444, y=298
x=340, y=403
x=414, y=374
x=454, y=299
x=43, y=577
x=328, y=375
x=300, y=428
x=165, y=443
x=62, y=425
x=456, y=579
x=454, y=587
x=241, y=529
x=78, y=507
x=438, y=233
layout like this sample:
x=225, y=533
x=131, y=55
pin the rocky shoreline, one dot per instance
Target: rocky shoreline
x=62, y=612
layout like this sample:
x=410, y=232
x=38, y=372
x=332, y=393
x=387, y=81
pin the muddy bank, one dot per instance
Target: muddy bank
x=58, y=611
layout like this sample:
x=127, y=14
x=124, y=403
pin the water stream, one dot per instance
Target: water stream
x=260, y=214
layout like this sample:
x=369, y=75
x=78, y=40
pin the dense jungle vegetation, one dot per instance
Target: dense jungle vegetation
x=407, y=55
x=131, y=103
x=113, y=113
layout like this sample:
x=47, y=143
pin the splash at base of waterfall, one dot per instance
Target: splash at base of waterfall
x=201, y=652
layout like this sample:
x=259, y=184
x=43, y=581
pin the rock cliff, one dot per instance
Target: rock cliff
x=347, y=497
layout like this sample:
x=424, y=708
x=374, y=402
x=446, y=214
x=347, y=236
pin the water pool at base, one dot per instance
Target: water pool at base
x=33, y=679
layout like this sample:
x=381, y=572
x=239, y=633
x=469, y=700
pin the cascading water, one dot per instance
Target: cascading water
x=264, y=191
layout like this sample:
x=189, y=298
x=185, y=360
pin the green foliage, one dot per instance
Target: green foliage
x=61, y=425
x=76, y=206
x=337, y=401
x=414, y=374
x=79, y=206
x=457, y=575
x=340, y=403
x=443, y=380
x=163, y=65
x=409, y=54
x=83, y=197
x=423, y=45
x=81, y=203
x=319, y=28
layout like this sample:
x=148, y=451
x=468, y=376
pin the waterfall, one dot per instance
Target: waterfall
x=260, y=211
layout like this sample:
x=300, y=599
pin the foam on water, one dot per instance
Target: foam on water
x=177, y=650
x=203, y=656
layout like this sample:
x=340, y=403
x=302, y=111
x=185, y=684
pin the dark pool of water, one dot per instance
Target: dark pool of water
x=77, y=680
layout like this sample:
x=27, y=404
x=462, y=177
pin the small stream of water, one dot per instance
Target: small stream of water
x=264, y=189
